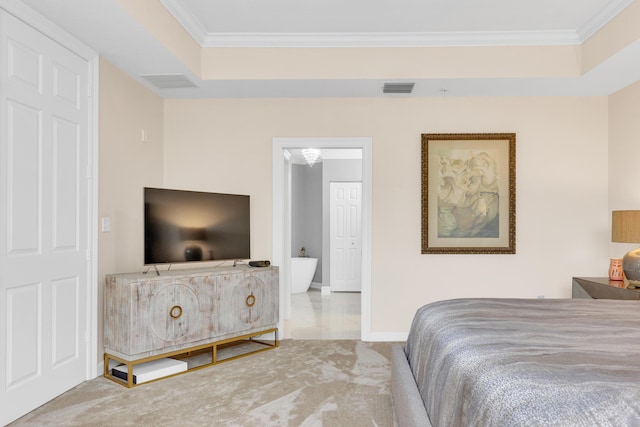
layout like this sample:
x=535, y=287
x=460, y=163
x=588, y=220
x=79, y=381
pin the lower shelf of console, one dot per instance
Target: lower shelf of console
x=131, y=373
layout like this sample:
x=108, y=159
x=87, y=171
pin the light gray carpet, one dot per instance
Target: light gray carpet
x=300, y=383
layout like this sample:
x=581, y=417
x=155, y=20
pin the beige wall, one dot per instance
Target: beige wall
x=624, y=152
x=126, y=165
x=619, y=33
x=157, y=20
x=575, y=162
x=391, y=62
x=225, y=145
x=562, y=211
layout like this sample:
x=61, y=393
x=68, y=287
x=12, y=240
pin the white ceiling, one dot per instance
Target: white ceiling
x=107, y=28
x=212, y=22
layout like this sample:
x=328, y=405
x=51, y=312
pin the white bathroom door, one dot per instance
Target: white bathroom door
x=44, y=218
x=345, y=224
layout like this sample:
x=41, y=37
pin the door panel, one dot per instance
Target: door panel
x=24, y=127
x=345, y=236
x=66, y=85
x=65, y=345
x=44, y=218
x=66, y=151
x=24, y=65
x=252, y=299
x=24, y=334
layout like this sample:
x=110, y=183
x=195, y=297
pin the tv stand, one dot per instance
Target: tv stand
x=146, y=270
x=150, y=317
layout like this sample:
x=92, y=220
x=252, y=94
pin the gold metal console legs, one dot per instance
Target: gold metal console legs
x=204, y=348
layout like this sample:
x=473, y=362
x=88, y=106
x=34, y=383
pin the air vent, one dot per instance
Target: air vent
x=169, y=81
x=398, y=87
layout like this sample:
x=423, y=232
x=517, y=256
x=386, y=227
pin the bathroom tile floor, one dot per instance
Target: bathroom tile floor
x=317, y=316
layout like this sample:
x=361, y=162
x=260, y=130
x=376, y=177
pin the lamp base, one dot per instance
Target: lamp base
x=631, y=267
x=193, y=253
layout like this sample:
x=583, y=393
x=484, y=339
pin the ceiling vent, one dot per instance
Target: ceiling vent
x=398, y=87
x=169, y=81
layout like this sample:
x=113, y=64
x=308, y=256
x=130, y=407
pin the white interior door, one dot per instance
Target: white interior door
x=345, y=225
x=44, y=214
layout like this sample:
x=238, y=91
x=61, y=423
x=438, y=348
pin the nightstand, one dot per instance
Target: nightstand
x=601, y=288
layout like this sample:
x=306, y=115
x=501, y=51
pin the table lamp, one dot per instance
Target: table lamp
x=625, y=228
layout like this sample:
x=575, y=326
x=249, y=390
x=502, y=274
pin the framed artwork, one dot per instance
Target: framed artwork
x=469, y=193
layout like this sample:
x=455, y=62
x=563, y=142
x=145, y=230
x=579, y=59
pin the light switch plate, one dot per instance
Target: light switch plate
x=106, y=224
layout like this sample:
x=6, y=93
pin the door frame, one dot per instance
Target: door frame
x=49, y=29
x=281, y=199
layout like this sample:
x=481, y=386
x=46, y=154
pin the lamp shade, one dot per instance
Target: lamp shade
x=625, y=228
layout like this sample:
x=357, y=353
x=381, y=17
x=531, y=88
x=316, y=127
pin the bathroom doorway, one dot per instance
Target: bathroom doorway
x=329, y=309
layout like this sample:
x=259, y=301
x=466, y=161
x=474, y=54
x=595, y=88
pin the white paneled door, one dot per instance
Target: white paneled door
x=345, y=225
x=44, y=214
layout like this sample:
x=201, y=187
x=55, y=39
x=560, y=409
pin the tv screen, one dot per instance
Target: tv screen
x=190, y=226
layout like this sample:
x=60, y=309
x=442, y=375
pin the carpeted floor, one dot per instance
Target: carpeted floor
x=300, y=383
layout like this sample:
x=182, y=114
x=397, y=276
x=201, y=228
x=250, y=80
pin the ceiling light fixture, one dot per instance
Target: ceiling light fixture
x=311, y=155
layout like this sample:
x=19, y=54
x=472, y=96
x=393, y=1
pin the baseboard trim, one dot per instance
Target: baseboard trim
x=316, y=285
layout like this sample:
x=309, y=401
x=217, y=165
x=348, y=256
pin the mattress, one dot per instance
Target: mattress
x=509, y=362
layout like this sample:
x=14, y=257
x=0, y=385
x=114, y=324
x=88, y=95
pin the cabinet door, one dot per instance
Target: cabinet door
x=172, y=312
x=247, y=301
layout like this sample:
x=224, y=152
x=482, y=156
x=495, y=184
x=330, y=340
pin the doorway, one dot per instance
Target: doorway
x=282, y=217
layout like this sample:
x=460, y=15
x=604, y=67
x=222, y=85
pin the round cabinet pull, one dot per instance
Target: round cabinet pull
x=251, y=300
x=175, y=312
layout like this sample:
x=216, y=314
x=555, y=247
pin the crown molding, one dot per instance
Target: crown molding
x=392, y=39
x=610, y=11
x=190, y=23
x=496, y=38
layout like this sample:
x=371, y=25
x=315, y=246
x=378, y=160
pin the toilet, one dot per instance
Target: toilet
x=302, y=271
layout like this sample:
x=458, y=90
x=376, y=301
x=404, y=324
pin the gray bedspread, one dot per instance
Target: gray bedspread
x=508, y=362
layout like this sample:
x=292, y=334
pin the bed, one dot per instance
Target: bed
x=517, y=362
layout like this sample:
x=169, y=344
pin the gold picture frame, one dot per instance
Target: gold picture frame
x=469, y=193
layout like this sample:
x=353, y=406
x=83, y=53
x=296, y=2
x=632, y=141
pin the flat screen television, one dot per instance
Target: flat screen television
x=191, y=226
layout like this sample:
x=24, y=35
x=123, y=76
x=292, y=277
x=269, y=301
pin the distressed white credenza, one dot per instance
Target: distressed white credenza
x=183, y=312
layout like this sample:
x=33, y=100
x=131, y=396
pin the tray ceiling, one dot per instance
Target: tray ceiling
x=107, y=27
